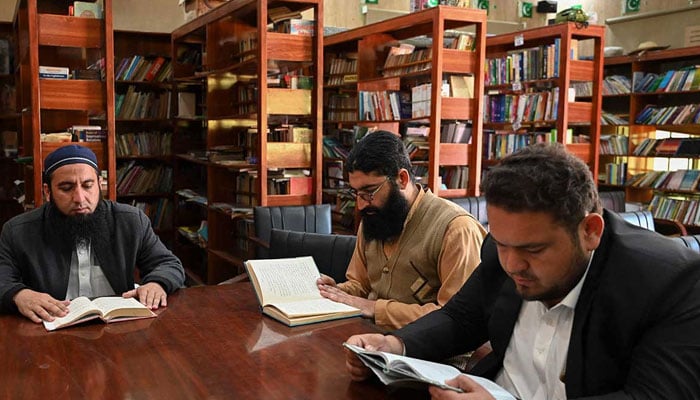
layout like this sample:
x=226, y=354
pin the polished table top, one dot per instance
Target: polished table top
x=210, y=342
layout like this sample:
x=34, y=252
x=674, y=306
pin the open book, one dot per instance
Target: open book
x=287, y=291
x=108, y=309
x=393, y=369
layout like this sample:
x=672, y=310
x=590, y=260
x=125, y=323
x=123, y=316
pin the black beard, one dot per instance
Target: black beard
x=71, y=229
x=386, y=223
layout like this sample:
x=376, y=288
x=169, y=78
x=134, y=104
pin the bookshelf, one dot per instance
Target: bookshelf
x=144, y=128
x=48, y=36
x=528, y=97
x=10, y=132
x=368, y=85
x=247, y=88
x=652, y=101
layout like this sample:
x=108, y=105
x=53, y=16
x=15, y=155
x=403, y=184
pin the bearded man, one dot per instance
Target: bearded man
x=78, y=244
x=414, y=250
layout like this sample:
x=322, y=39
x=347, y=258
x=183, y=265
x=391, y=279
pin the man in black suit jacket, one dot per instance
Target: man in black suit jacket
x=574, y=301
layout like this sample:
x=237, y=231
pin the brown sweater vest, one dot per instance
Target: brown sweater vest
x=410, y=275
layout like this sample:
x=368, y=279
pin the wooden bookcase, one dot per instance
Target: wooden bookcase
x=144, y=128
x=358, y=66
x=10, y=170
x=643, y=150
x=538, y=66
x=242, y=136
x=48, y=36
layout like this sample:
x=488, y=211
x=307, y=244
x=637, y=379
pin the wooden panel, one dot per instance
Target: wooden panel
x=581, y=70
x=289, y=101
x=61, y=30
x=580, y=150
x=454, y=154
x=288, y=200
x=83, y=94
x=288, y=155
x=580, y=112
x=456, y=108
x=282, y=46
x=458, y=61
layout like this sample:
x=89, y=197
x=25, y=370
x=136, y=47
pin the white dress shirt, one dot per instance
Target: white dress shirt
x=85, y=277
x=535, y=360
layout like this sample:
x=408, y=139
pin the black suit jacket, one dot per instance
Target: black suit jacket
x=636, y=328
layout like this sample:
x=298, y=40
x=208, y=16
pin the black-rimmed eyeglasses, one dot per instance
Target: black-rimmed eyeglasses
x=366, y=196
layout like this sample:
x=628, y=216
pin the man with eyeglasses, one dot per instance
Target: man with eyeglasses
x=414, y=249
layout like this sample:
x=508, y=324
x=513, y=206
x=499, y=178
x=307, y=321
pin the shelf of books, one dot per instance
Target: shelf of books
x=249, y=71
x=10, y=134
x=541, y=86
x=651, y=120
x=413, y=75
x=66, y=68
x=143, y=142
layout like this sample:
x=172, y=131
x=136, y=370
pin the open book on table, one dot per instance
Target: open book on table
x=287, y=291
x=108, y=309
x=396, y=370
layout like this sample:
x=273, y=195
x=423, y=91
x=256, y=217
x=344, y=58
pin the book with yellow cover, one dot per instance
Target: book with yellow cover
x=286, y=289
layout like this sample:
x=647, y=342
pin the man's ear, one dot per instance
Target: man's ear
x=47, y=191
x=404, y=178
x=592, y=226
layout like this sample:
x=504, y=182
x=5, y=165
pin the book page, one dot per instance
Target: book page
x=396, y=369
x=78, y=308
x=109, y=307
x=312, y=307
x=286, y=279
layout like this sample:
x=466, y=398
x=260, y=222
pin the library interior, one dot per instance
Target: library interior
x=227, y=168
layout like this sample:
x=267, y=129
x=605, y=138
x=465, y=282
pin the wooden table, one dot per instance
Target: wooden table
x=210, y=342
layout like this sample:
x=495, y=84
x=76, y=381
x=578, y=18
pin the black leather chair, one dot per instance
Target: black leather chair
x=690, y=241
x=643, y=219
x=613, y=200
x=311, y=218
x=331, y=253
x=646, y=220
x=475, y=206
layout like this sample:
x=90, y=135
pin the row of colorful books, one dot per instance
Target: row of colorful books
x=144, y=69
x=679, y=180
x=652, y=114
x=526, y=107
x=684, y=211
x=153, y=143
x=135, y=178
x=680, y=80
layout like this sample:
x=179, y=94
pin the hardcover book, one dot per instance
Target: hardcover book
x=108, y=309
x=286, y=289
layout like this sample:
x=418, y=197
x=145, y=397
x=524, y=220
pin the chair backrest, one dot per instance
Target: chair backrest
x=690, y=241
x=331, y=253
x=475, y=206
x=311, y=218
x=640, y=218
x=613, y=200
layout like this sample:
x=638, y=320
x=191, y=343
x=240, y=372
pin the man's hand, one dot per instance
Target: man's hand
x=151, y=295
x=40, y=306
x=371, y=341
x=325, y=280
x=472, y=390
x=335, y=294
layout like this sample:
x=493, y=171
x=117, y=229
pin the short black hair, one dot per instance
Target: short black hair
x=543, y=178
x=381, y=152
